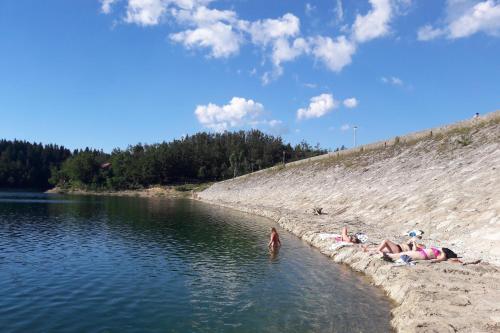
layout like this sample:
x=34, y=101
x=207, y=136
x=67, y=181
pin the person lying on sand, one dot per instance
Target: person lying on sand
x=392, y=247
x=345, y=237
x=433, y=254
x=274, y=242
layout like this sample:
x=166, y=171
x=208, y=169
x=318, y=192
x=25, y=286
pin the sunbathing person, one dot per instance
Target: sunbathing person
x=434, y=254
x=345, y=237
x=274, y=242
x=392, y=247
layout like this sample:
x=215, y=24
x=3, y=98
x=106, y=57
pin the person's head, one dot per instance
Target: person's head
x=354, y=239
x=449, y=253
x=273, y=230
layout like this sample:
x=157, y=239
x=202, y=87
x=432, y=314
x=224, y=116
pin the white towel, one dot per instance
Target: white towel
x=339, y=245
x=325, y=236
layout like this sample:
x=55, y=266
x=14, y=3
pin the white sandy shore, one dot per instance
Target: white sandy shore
x=446, y=183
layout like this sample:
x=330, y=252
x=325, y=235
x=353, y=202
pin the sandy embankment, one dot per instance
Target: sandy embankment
x=444, y=181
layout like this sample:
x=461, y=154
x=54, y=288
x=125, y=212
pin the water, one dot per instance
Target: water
x=104, y=264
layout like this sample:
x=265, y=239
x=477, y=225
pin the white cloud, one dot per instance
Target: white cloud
x=334, y=53
x=219, y=37
x=396, y=81
x=284, y=51
x=465, y=18
x=239, y=112
x=318, y=107
x=345, y=127
x=427, y=32
x=222, y=32
x=265, y=31
x=202, y=16
x=275, y=35
x=351, y=102
x=145, y=12
x=483, y=17
x=374, y=24
x=212, y=29
x=106, y=6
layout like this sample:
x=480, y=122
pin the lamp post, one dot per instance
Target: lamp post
x=355, y=128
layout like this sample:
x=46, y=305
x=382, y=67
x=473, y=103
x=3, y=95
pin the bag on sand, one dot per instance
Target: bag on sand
x=363, y=238
x=415, y=233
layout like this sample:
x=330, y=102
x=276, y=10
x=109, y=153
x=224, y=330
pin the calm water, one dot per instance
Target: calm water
x=99, y=264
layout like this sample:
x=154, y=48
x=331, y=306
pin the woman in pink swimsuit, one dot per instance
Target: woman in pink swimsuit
x=433, y=254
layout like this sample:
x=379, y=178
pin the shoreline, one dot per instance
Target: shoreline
x=150, y=192
x=440, y=297
x=444, y=181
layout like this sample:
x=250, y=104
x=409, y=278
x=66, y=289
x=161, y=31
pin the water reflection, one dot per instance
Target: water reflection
x=273, y=254
x=131, y=264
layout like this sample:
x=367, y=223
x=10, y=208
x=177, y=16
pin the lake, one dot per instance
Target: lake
x=117, y=264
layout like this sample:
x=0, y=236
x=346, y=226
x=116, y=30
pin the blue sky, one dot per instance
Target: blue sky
x=111, y=73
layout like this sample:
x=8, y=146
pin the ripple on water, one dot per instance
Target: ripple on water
x=134, y=265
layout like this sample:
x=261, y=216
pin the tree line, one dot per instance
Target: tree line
x=29, y=165
x=201, y=157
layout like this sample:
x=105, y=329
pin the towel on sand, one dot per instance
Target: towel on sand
x=404, y=260
x=326, y=236
x=339, y=245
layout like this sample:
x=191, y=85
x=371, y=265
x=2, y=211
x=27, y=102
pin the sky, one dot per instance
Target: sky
x=110, y=73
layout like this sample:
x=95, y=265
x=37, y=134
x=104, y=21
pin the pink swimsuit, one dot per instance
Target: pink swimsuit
x=433, y=249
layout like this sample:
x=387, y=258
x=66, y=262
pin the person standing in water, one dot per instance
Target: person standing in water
x=274, y=242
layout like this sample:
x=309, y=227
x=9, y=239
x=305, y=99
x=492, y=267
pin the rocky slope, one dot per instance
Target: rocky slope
x=445, y=181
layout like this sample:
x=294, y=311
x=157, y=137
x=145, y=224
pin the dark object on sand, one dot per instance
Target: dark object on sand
x=449, y=253
x=317, y=211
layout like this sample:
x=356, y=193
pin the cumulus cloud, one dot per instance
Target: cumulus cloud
x=218, y=37
x=334, y=53
x=465, y=18
x=145, y=12
x=483, y=17
x=266, y=31
x=283, y=51
x=350, y=102
x=318, y=107
x=375, y=23
x=238, y=112
x=106, y=6
x=277, y=35
x=222, y=32
x=201, y=16
x=212, y=29
x=345, y=127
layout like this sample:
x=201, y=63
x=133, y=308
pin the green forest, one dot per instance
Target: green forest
x=202, y=157
x=29, y=165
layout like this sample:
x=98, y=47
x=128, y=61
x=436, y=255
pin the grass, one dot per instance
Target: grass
x=440, y=140
x=465, y=140
x=192, y=187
